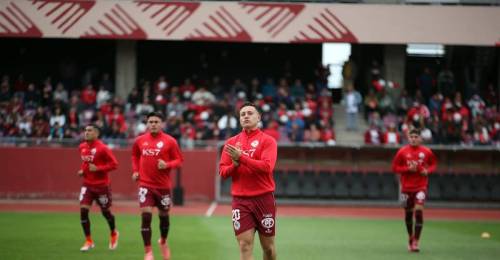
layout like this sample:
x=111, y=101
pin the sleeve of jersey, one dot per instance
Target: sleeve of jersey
x=398, y=164
x=175, y=153
x=432, y=162
x=226, y=167
x=136, y=155
x=83, y=166
x=268, y=159
x=111, y=164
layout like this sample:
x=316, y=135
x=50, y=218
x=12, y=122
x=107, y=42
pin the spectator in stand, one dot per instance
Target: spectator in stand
x=56, y=131
x=391, y=136
x=446, y=82
x=272, y=130
x=32, y=97
x=425, y=83
x=328, y=134
x=58, y=118
x=60, y=93
x=187, y=89
x=371, y=103
x=373, y=136
x=89, y=97
x=297, y=91
x=202, y=97
x=269, y=90
x=238, y=86
x=352, y=101
x=227, y=125
x=103, y=95
x=106, y=82
x=133, y=99
x=25, y=126
x=312, y=134
x=161, y=85
x=215, y=86
x=144, y=108
x=117, y=118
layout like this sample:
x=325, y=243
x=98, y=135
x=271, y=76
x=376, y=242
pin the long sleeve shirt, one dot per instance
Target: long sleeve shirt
x=254, y=174
x=147, y=150
x=100, y=155
x=423, y=157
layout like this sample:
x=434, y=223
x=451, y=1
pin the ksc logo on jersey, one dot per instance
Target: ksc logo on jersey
x=421, y=155
x=159, y=144
x=93, y=151
x=255, y=143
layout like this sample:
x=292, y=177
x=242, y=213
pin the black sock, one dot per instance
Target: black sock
x=409, y=222
x=85, y=221
x=146, y=228
x=109, y=218
x=419, y=223
x=164, y=226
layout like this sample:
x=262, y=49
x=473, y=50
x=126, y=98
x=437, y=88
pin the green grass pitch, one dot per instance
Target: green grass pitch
x=59, y=236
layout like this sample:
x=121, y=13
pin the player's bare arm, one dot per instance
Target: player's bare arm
x=80, y=173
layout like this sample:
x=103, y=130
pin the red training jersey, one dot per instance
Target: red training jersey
x=98, y=153
x=146, y=152
x=425, y=159
x=254, y=175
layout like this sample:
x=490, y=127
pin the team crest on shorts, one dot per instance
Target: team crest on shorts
x=159, y=144
x=103, y=199
x=255, y=143
x=421, y=195
x=267, y=223
x=236, y=225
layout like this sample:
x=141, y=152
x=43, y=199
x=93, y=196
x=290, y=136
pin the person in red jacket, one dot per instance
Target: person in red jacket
x=154, y=154
x=414, y=162
x=249, y=159
x=97, y=162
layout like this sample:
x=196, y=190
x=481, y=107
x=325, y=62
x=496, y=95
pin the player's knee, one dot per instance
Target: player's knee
x=269, y=249
x=245, y=245
x=419, y=207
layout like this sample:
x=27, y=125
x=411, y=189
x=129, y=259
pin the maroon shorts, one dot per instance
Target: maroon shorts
x=257, y=212
x=102, y=195
x=410, y=199
x=152, y=197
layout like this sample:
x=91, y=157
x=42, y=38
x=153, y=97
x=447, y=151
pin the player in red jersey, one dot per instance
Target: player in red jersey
x=98, y=161
x=414, y=163
x=249, y=159
x=154, y=154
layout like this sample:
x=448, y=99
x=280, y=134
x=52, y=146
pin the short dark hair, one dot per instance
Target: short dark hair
x=95, y=126
x=414, y=131
x=157, y=114
x=249, y=104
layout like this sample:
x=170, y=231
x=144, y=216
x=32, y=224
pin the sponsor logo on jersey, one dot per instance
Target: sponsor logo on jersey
x=150, y=152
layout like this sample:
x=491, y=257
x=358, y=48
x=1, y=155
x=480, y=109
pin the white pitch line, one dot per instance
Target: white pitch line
x=211, y=209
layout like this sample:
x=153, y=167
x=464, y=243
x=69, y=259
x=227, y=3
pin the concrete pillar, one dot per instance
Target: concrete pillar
x=126, y=67
x=395, y=63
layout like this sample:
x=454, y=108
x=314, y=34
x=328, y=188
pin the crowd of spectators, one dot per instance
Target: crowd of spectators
x=292, y=110
x=203, y=110
x=445, y=115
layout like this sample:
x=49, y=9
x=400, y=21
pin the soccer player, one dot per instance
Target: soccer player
x=154, y=154
x=414, y=163
x=249, y=159
x=98, y=161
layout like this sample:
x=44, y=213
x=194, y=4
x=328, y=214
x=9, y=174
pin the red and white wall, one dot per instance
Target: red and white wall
x=250, y=22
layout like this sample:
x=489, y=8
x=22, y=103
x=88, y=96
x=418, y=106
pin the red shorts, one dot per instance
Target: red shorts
x=410, y=199
x=152, y=197
x=102, y=195
x=257, y=212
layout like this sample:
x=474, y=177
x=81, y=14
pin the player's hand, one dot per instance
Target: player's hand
x=424, y=172
x=80, y=173
x=162, y=164
x=92, y=167
x=235, y=163
x=135, y=176
x=233, y=151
